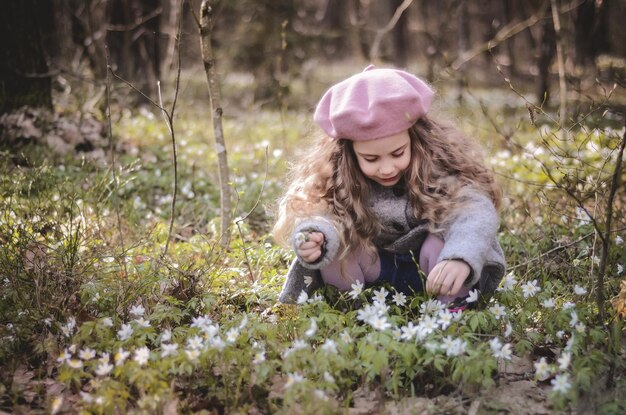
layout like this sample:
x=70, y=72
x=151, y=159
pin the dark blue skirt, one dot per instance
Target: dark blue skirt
x=402, y=271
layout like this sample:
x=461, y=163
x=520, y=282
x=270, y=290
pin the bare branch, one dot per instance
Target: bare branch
x=390, y=25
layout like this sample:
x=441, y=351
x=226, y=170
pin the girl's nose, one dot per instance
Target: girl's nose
x=386, y=168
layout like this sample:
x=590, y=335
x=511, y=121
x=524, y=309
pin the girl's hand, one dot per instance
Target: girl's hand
x=447, y=277
x=309, y=246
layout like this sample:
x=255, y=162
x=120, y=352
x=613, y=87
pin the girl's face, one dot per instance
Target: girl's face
x=384, y=159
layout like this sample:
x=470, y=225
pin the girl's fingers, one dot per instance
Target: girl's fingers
x=447, y=277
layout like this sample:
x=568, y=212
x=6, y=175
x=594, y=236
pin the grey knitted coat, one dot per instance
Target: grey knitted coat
x=471, y=237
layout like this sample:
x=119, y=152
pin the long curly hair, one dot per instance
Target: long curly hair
x=446, y=168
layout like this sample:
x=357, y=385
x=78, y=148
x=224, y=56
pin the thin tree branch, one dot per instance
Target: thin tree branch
x=374, y=50
x=112, y=151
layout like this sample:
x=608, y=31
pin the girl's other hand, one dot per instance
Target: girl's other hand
x=447, y=277
x=310, y=249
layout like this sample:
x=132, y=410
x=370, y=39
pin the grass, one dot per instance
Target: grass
x=94, y=318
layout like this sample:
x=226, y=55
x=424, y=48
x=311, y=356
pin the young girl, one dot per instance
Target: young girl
x=387, y=188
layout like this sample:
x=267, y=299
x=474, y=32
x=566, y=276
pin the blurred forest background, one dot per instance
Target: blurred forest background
x=267, y=45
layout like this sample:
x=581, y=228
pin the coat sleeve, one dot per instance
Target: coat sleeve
x=299, y=279
x=472, y=237
x=331, y=240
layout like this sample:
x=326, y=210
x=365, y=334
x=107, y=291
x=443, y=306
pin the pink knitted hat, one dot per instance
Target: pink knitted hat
x=373, y=104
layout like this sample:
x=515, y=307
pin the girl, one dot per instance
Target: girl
x=387, y=188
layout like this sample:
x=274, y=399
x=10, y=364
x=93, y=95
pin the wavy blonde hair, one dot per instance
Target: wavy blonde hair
x=445, y=170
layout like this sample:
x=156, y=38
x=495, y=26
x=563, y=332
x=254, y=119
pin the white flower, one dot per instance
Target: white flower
x=302, y=298
x=357, y=288
x=619, y=240
x=366, y=313
x=582, y=216
x=427, y=325
x=530, y=288
x=299, y=344
x=201, y=322
x=300, y=238
x=573, y=319
x=565, y=360
x=317, y=297
x=64, y=356
x=125, y=332
x=87, y=354
x=445, y=319
x=308, y=280
x=137, y=310
x=312, y=330
x=473, y=296
x=380, y=308
x=620, y=269
x=580, y=327
x=379, y=323
x=166, y=336
x=549, y=303
x=508, y=282
x=231, y=335
x=399, y=299
x=169, y=349
x=409, y=331
x=578, y=290
x=75, y=363
x=120, y=356
x=320, y=394
x=104, y=369
x=568, y=305
x=431, y=306
x=56, y=405
x=259, y=358
x=508, y=330
x=104, y=358
x=107, y=322
x=345, y=337
x=498, y=311
x=454, y=347
x=560, y=334
x=194, y=342
x=329, y=346
x=142, y=322
x=499, y=350
x=561, y=383
x=542, y=369
x=380, y=296
x=192, y=354
x=495, y=344
x=329, y=378
x=292, y=379
x=86, y=397
x=141, y=355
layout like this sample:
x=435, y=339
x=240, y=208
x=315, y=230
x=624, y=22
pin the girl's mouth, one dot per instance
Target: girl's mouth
x=390, y=179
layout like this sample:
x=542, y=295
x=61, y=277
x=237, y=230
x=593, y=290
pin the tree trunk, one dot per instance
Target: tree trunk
x=399, y=35
x=24, y=77
x=463, y=33
x=547, y=49
x=207, y=16
x=591, y=24
x=132, y=37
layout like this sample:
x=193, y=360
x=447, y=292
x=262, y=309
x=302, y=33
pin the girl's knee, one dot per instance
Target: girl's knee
x=360, y=266
x=429, y=252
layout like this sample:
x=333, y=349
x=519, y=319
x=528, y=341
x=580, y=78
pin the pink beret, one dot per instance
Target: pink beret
x=375, y=103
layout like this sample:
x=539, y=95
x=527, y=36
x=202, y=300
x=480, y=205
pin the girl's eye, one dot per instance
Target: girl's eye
x=371, y=160
x=398, y=154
